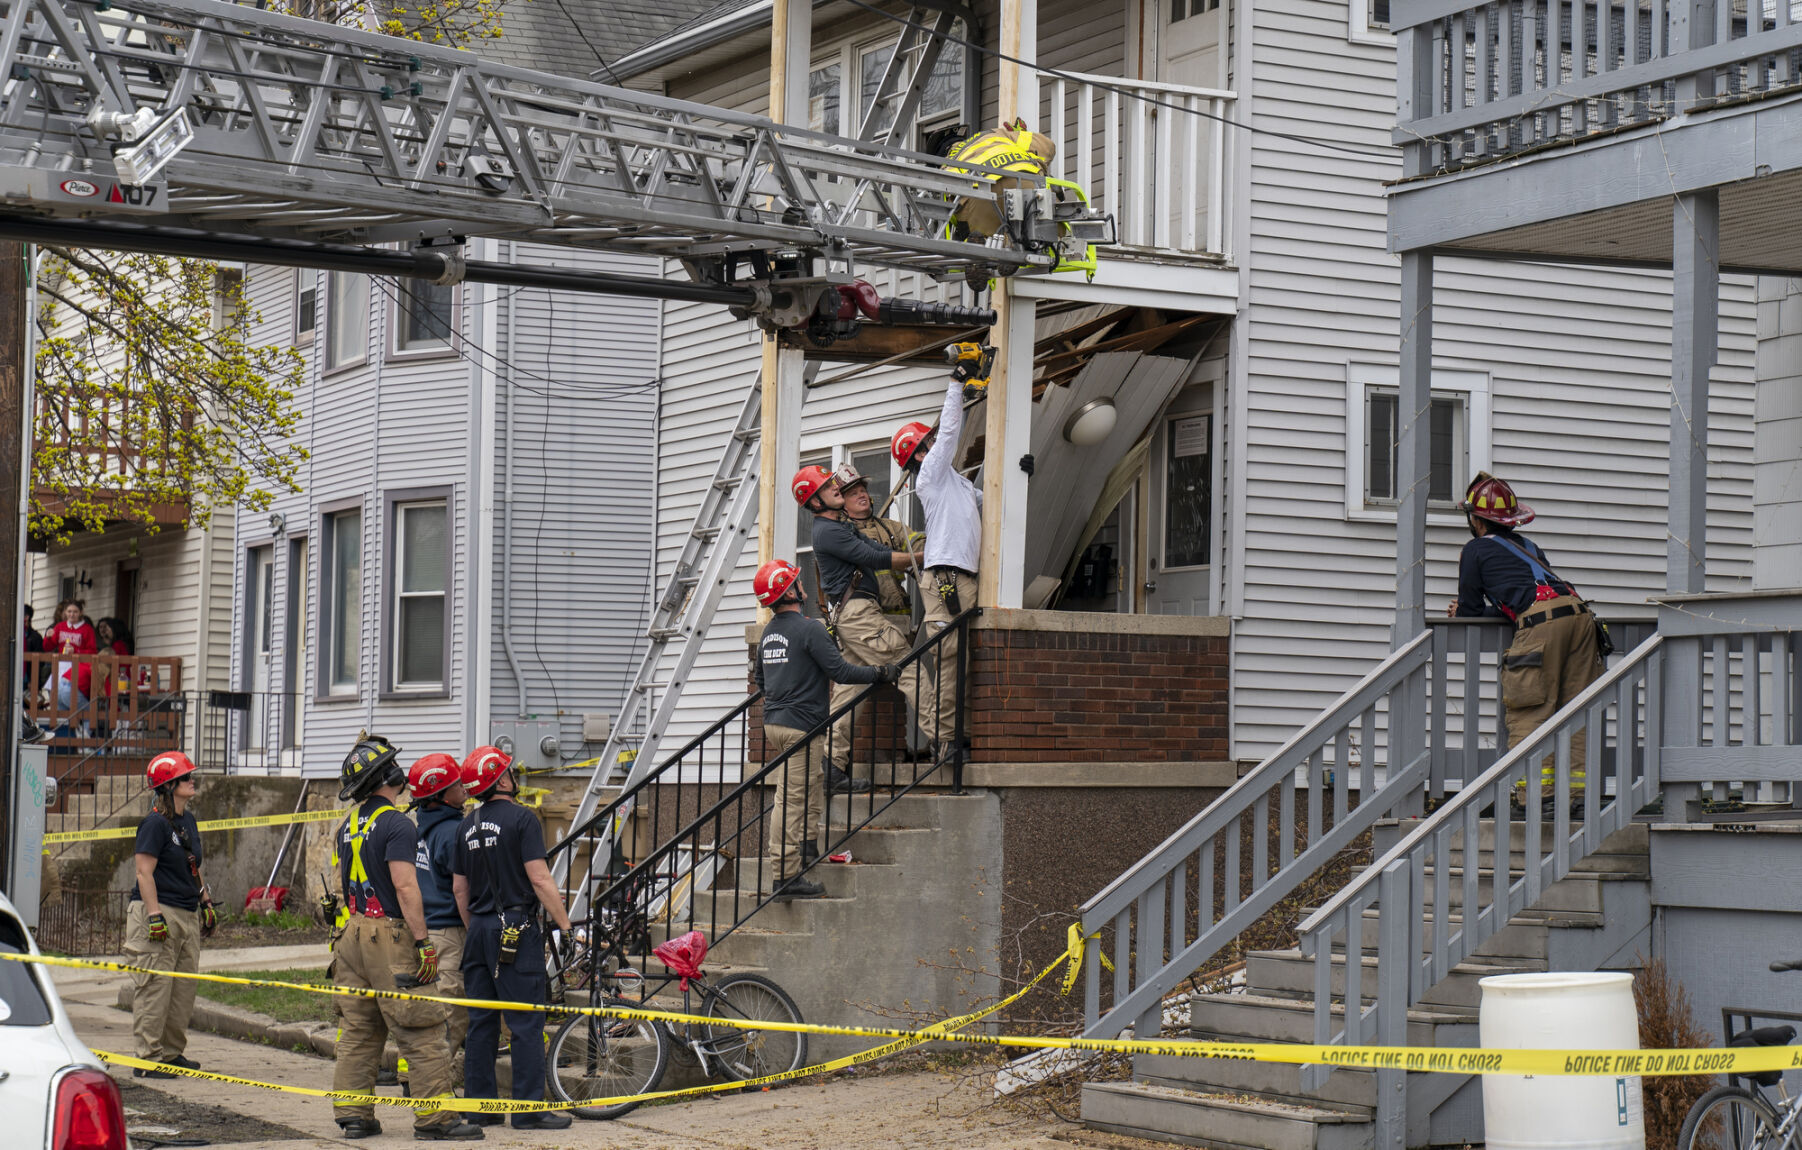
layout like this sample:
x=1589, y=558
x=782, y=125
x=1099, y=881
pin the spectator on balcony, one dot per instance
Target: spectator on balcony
x=32, y=644
x=70, y=636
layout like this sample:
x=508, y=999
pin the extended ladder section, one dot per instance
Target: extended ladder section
x=710, y=553
x=224, y=118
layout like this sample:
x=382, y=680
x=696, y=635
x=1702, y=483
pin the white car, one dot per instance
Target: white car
x=53, y=1092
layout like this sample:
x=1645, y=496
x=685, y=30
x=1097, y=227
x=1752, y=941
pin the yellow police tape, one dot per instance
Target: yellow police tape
x=210, y=825
x=1448, y=1060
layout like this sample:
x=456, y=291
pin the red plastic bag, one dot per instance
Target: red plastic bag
x=683, y=956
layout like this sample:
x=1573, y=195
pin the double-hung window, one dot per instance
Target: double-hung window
x=346, y=320
x=425, y=318
x=341, y=609
x=1457, y=427
x=419, y=579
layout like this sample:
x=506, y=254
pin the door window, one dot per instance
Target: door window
x=1188, y=492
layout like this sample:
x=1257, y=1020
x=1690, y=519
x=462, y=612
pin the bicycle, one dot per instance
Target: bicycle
x=596, y=1057
x=1745, y=1118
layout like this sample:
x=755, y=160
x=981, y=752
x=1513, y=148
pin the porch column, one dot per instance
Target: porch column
x=1007, y=429
x=791, y=49
x=1414, y=462
x=1695, y=345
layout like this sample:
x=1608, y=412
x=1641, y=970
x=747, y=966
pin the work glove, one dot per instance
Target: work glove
x=890, y=672
x=209, y=919
x=158, y=928
x=428, y=960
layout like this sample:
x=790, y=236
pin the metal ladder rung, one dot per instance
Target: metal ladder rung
x=664, y=634
x=706, y=534
x=651, y=686
x=728, y=482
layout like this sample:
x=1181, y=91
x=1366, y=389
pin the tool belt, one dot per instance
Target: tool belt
x=946, y=578
x=515, y=922
x=1538, y=617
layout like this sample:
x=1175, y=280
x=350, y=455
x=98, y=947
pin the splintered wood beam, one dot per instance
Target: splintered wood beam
x=874, y=343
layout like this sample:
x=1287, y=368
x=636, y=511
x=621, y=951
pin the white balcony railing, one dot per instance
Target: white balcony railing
x=1160, y=168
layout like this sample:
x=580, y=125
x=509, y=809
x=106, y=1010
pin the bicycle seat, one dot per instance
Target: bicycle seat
x=683, y=956
x=1765, y=1036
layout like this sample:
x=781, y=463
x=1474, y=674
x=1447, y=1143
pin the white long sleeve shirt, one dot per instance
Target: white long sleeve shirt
x=953, y=505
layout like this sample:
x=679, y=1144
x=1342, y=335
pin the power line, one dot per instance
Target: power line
x=1349, y=149
x=573, y=23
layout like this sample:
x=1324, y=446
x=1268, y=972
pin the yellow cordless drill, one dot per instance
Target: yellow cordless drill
x=971, y=364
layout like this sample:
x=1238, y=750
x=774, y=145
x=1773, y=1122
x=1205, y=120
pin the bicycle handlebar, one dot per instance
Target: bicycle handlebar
x=1786, y=965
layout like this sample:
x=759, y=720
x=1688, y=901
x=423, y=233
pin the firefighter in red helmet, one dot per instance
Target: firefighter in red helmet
x=795, y=666
x=170, y=912
x=1555, y=651
x=847, y=562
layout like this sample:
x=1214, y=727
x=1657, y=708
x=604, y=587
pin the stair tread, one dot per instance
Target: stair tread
x=1468, y=966
x=1240, y=1101
x=1304, y=1006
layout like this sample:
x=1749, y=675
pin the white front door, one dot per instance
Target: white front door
x=1189, y=39
x=1179, y=567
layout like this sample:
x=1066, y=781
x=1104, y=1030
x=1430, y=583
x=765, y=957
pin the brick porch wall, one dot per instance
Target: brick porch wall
x=1066, y=687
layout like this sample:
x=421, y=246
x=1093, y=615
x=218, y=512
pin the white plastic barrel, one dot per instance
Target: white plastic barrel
x=1560, y=1011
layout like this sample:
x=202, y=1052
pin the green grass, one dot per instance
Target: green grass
x=280, y=920
x=281, y=1005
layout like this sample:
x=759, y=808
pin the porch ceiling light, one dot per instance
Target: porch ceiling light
x=1092, y=422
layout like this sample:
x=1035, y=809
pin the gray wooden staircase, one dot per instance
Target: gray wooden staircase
x=1595, y=917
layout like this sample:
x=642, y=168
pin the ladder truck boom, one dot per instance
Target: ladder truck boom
x=203, y=117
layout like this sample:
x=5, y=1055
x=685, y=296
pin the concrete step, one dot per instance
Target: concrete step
x=1224, y=1121
x=1271, y=1018
x=1278, y=973
x=756, y=876
x=913, y=810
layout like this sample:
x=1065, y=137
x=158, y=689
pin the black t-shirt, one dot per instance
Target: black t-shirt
x=176, y=885
x=796, y=664
x=391, y=838
x=841, y=550
x=494, y=844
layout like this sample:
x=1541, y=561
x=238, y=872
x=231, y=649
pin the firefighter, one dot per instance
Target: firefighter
x=170, y=912
x=502, y=886
x=847, y=563
x=382, y=942
x=1554, y=653
x=860, y=510
x=952, y=507
x=796, y=660
x=436, y=784
x=1011, y=147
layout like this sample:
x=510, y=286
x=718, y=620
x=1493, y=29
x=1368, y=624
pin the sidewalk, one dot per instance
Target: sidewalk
x=919, y=1110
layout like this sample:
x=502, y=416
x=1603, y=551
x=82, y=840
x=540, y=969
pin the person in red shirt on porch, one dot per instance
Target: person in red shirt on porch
x=72, y=635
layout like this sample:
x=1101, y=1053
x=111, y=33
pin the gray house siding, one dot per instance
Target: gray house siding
x=1577, y=360
x=585, y=371
x=583, y=506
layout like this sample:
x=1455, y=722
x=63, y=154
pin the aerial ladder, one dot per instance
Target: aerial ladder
x=221, y=131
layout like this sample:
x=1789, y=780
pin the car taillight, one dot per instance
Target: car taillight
x=89, y=1114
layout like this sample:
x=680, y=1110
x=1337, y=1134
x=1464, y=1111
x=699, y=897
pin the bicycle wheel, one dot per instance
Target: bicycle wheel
x=744, y=1052
x=1729, y=1118
x=595, y=1057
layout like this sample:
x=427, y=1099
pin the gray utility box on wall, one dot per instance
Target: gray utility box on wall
x=33, y=790
x=532, y=743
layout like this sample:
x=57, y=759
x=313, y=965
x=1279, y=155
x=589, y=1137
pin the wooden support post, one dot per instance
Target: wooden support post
x=791, y=48
x=1007, y=431
x=1415, y=450
x=15, y=465
x=1695, y=346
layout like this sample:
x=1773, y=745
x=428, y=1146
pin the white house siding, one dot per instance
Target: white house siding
x=585, y=402
x=1579, y=366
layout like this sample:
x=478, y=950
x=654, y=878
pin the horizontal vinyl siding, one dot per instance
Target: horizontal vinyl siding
x=585, y=404
x=1578, y=360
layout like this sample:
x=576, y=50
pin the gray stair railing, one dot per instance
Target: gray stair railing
x=1158, y=920
x=1617, y=719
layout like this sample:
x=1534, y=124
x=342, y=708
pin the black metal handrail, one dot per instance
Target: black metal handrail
x=602, y=817
x=713, y=848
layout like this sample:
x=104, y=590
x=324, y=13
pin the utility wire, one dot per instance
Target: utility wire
x=574, y=23
x=1312, y=141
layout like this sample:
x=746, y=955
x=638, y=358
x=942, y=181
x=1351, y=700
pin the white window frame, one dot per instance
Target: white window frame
x=1472, y=386
x=1360, y=30
x=329, y=617
x=397, y=304
x=305, y=280
x=333, y=319
x=399, y=504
